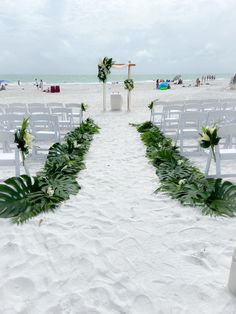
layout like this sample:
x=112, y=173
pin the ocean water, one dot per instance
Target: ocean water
x=91, y=79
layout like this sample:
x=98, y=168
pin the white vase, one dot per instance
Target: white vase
x=232, y=275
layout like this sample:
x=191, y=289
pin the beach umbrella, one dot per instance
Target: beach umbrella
x=3, y=81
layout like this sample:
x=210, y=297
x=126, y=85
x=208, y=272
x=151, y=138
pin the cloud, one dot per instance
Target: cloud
x=69, y=36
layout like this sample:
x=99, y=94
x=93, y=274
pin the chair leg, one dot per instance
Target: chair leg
x=208, y=164
x=218, y=166
x=17, y=163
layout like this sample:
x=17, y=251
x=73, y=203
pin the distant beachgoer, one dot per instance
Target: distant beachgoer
x=41, y=85
x=18, y=82
x=198, y=82
x=36, y=83
x=157, y=83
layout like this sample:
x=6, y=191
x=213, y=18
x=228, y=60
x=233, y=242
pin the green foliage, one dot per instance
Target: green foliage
x=104, y=69
x=129, y=84
x=24, y=197
x=23, y=138
x=150, y=105
x=84, y=106
x=181, y=180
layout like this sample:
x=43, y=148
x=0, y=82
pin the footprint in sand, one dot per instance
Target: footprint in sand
x=141, y=305
x=20, y=287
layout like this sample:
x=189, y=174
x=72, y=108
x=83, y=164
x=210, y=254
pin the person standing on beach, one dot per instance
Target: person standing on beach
x=157, y=83
x=41, y=85
x=36, y=83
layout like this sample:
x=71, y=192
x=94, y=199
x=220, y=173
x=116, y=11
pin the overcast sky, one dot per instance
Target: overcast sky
x=161, y=36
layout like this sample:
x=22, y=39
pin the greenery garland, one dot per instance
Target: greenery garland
x=24, y=197
x=104, y=69
x=183, y=181
x=129, y=84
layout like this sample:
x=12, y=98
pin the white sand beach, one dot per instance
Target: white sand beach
x=117, y=247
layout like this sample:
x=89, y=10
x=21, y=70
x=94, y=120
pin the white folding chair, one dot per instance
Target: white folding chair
x=170, y=121
x=65, y=118
x=226, y=150
x=45, y=130
x=190, y=124
x=76, y=111
x=157, y=112
x=9, y=156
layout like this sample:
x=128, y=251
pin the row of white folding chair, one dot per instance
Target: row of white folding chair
x=171, y=112
x=41, y=108
x=45, y=128
x=189, y=124
x=13, y=121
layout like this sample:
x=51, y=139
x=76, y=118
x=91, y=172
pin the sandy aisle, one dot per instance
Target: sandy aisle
x=116, y=247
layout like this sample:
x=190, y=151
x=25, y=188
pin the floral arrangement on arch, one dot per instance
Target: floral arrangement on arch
x=129, y=84
x=84, y=106
x=24, y=139
x=209, y=139
x=104, y=68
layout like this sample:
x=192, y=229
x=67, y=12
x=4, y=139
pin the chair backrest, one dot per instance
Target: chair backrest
x=228, y=104
x=214, y=117
x=228, y=116
x=44, y=122
x=51, y=105
x=17, y=105
x=16, y=110
x=197, y=102
x=208, y=107
x=227, y=130
x=38, y=110
x=76, y=107
x=172, y=109
x=36, y=105
x=192, y=120
x=63, y=114
x=192, y=107
x=11, y=121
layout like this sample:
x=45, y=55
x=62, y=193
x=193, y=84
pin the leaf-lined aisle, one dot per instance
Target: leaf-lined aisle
x=183, y=181
x=24, y=197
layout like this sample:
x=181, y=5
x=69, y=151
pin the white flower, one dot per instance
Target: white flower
x=50, y=191
x=180, y=162
x=205, y=137
x=183, y=181
x=76, y=144
x=28, y=138
x=211, y=130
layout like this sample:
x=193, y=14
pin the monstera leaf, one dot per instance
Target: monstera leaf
x=14, y=195
x=222, y=201
x=60, y=186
